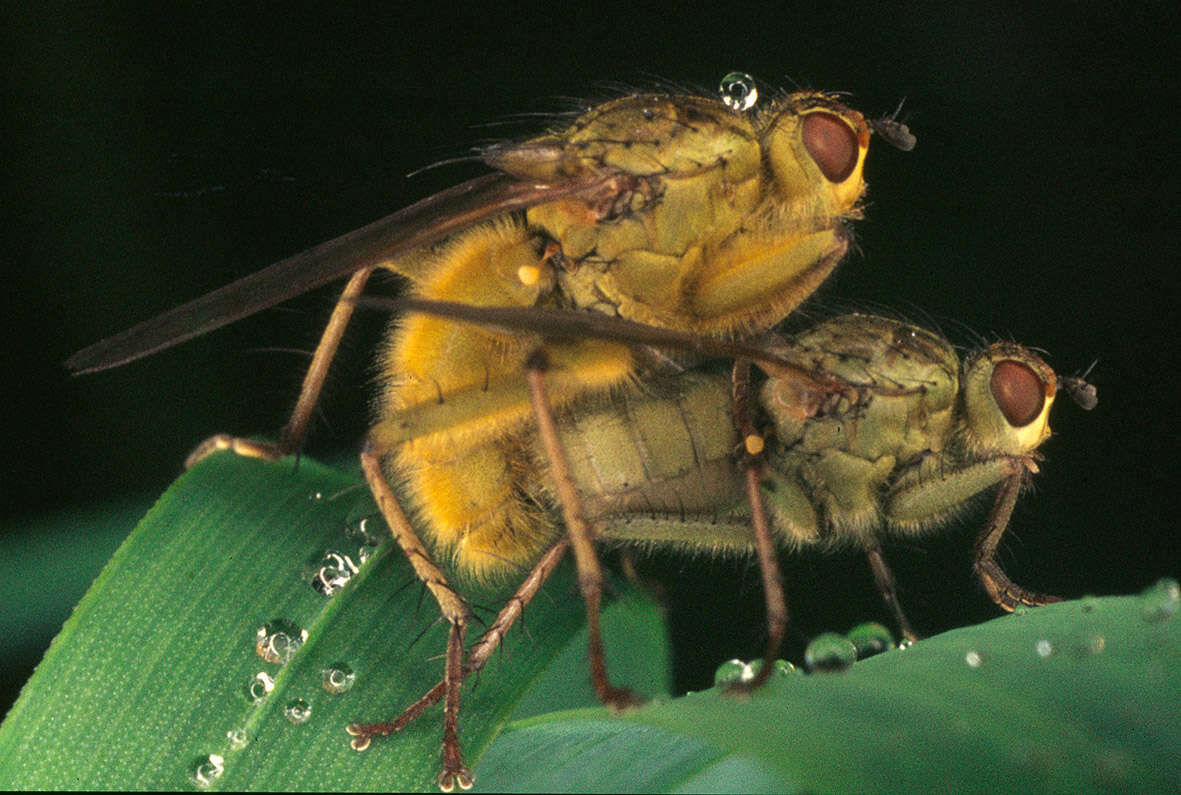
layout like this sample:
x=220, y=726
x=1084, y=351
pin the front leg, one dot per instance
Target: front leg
x=932, y=492
x=1003, y=591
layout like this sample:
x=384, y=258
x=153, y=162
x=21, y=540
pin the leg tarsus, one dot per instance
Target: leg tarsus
x=1003, y=591
x=243, y=447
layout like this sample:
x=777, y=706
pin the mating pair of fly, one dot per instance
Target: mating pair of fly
x=544, y=387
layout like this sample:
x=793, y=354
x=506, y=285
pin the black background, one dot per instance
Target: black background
x=152, y=155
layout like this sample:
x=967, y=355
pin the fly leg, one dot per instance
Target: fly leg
x=884, y=578
x=927, y=497
x=309, y=393
x=1007, y=594
x=753, y=443
x=481, y=651
x=455, y=611
x=590, y=572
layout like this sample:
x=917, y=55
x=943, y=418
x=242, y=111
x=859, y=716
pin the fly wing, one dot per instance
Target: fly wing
x=420, y=224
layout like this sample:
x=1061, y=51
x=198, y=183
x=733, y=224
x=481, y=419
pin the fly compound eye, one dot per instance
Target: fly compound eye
x=1018, y=391
x=832, y=144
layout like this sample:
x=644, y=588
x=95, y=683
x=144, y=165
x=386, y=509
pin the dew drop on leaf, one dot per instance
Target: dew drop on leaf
x=338, y=678
x=278, y=640
x=829, y=653
x=259, y=687
x=238, y=739
x=206, y=770
x=334, y=571
x=731, y=672
x=298, y=711
x=1159, y=602
x=870, y=638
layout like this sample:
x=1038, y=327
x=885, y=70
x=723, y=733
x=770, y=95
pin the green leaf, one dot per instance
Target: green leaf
x=1079, y=696
x=153, y=672
x=151, y=675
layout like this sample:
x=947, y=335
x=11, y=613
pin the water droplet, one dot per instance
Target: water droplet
x=732, y=671
x=369, y=532
x=206, y=770
x=1159, y=602
x=738, y=91
x=1044, y=648
x=338, y=678
x=333, y=573
x=316, y=496
x=238, y=739
x=364, y=552
x=905, y=644
x=974, y=659
x=259, y=687
x=298, y=711
x=784, y=668
x=829, y=653
x=869, y=639
x=278, y=640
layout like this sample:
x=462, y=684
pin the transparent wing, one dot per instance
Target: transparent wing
x=420, y=224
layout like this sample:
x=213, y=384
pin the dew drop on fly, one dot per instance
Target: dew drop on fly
x=1159, y=602
x=298, y=711
x=869, y=639
x=829, y=653
x=338, y=678
x=738, y=91
x=278, y=640
x=206, y=770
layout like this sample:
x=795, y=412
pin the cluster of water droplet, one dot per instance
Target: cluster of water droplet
x=827, y=653
x=333, y=570
x=736, y=671
x=334, y=573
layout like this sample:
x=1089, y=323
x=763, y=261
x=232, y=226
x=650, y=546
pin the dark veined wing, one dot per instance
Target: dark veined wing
x=562, y=325
x=420, y=224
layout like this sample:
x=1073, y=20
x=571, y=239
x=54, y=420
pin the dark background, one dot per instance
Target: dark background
x=150, y=156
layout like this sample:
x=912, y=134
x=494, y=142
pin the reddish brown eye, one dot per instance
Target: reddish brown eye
x=1018, y=391
x=832, y=144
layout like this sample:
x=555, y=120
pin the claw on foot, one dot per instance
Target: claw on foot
x=363, y=734
x=461, y=776
x=620, y=699
x=242, y=447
